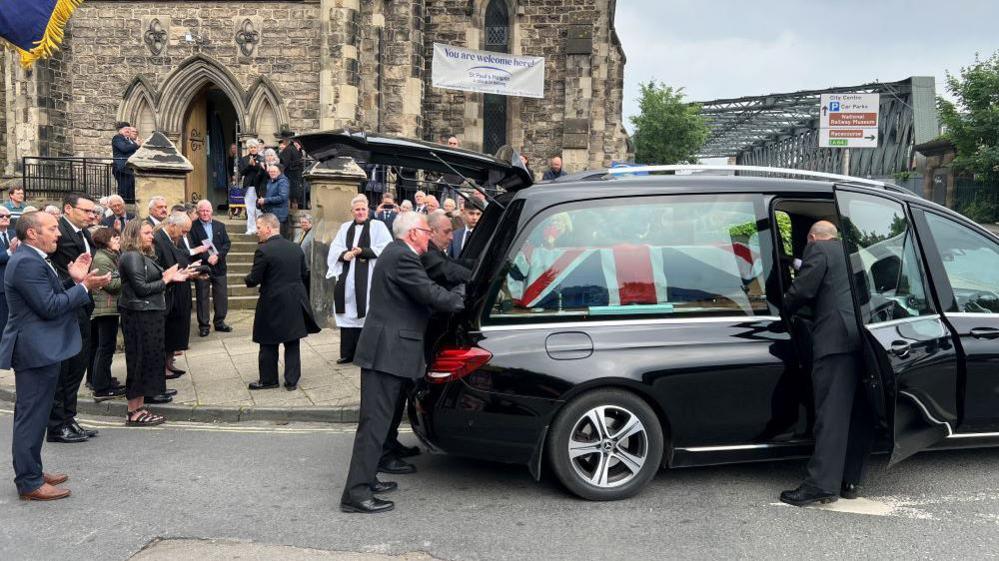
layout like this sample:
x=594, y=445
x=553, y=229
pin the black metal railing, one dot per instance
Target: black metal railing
x=52, y=178
x=977, y=200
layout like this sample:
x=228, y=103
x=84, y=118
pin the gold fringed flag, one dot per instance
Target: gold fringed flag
x=35, y=27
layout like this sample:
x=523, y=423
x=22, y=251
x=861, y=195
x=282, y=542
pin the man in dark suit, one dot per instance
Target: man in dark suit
x=78, y=213
x=387, y=210
x=158, y=210
x=216, y=285
x=390, y=353
x=290, y=156
x=119, y=216
x=843, y=420
x=441, y=267
x=470, y=215
x=123, y=145
x=283, y=314
x=8, y=243
x=44, y=313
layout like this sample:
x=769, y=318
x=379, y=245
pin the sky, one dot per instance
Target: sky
x=718, y=49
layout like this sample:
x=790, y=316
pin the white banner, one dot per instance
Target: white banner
x=455, y=68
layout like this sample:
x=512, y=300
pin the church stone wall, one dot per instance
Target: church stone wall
x=106, y=50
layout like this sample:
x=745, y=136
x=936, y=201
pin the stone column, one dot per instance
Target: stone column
x=339, y=71
x=160, y=169
x=402, y=86
x=334, y=183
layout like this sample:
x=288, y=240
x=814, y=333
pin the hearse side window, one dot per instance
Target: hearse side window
x=887, y=271
x=664, y=257
x=972, y=264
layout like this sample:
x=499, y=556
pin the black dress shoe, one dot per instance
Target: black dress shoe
x=404, y=451
x=162, y=398
x=849, y=490
x=223, y=328
x=291, y=387
x=397, y=466
x=384, y=486
x=202, y=332
x=170, y=392
x=806, y=495
x=65, y=435
x=174, y=373
x=259, y=386
x=75, y=427
x=344, y=360
x=367, y=506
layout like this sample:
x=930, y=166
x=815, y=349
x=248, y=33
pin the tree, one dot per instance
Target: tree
x=668, y=130
x=973, y=123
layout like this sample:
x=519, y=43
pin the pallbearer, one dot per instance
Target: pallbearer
x=351, y=260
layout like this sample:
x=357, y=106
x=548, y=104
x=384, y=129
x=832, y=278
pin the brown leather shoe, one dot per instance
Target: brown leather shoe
x=45, y=493
x=55, y=478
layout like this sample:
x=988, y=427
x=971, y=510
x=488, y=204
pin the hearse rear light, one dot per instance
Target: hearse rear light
x=454, y=364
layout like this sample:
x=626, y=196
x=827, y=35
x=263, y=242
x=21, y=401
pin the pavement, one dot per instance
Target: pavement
x=260, y=490
x=219, y=368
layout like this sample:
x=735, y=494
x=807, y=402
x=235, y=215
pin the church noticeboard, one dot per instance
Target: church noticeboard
x=455, y=68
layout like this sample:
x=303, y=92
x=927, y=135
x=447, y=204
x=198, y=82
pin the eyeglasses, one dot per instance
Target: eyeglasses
x=88, y=210
x=427, y=230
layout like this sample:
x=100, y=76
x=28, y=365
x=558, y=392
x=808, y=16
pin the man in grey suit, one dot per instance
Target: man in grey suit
x=43, y=312
x=390, y=352
x=843, y=419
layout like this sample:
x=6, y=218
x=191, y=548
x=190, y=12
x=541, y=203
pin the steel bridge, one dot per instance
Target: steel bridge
x=782, y=130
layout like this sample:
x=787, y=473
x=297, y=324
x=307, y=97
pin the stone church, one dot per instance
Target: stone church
x=209, y=73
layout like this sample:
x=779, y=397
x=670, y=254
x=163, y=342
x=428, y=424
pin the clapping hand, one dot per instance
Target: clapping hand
x=173, y=274
x=78, y=269
x=350, y=255
x=14, y=242
x=93, y=281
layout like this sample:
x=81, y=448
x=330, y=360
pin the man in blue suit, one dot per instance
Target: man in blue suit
x=470, y=215
x=8, y=243
x=275, y=199
x=44, y=312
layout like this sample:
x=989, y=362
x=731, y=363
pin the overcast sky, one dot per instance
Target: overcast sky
x=733, y=48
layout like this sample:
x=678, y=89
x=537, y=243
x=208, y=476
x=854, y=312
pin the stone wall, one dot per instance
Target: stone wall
x=106, y=50
x=581, y=110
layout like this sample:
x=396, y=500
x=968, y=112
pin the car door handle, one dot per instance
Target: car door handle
x=901, y=349
x=985, y=333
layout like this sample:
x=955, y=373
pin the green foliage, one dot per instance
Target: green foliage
x=982, y=209
x=902, y=176
x=668, y=130
x=748, y=229
x=973, y=124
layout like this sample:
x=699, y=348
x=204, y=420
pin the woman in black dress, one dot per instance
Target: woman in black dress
x=142, y=306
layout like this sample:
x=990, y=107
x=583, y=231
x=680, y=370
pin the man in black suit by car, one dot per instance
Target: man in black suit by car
x=843, y=420
x=390, y=352
x=78, y=213
x=283, y=314
x=206, y=228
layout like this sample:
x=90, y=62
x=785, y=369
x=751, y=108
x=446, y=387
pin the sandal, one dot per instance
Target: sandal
x=144, y=419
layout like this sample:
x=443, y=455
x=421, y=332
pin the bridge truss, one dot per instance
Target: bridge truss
x=782, y=130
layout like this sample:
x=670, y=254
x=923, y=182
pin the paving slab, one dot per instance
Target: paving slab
x=219, y=368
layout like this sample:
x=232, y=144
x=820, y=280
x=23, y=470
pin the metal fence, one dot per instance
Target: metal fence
x=977, y=200
x=52, y=178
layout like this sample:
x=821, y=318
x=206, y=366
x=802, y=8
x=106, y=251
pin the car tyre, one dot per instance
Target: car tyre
x=605, y=445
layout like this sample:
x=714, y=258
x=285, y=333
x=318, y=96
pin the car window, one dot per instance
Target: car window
x=887, y=271
x=684, y=255
x=971, y=261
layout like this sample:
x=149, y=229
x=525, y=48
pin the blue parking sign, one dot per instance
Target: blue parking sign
x=833, y=106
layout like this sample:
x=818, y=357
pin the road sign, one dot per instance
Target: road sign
x=849, y=120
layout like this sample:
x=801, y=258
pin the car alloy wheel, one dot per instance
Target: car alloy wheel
x=608, y=446
x=605, y=444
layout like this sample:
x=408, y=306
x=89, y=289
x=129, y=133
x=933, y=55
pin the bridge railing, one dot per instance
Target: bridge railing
x=52, y=178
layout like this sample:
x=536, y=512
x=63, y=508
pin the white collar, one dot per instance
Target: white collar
x=73, y=226
x=40, y=252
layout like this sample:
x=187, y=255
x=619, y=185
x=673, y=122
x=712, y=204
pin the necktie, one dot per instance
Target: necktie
x=6, y=242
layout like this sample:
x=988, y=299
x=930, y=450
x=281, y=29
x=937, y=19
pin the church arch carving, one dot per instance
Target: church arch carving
x=184, y=82
x=265, y=108
x=138, y=103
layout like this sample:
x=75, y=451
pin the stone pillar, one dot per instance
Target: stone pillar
x=402, y=86
x=339, y=69
x=160, y=169
x=334, y=183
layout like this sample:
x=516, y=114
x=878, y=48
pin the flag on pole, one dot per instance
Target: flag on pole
x=35, y=27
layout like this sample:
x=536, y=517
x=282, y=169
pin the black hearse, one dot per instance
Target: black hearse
x=618, y=323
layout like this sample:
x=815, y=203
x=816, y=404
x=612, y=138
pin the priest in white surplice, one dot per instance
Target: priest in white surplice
x=352, y=260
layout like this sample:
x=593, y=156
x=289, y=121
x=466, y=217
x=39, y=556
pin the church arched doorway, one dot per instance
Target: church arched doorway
x=210, y=124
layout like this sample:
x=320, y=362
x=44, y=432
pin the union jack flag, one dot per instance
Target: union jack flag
x=628, y=274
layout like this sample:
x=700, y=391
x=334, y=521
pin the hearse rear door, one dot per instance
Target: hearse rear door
x=908, y=345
